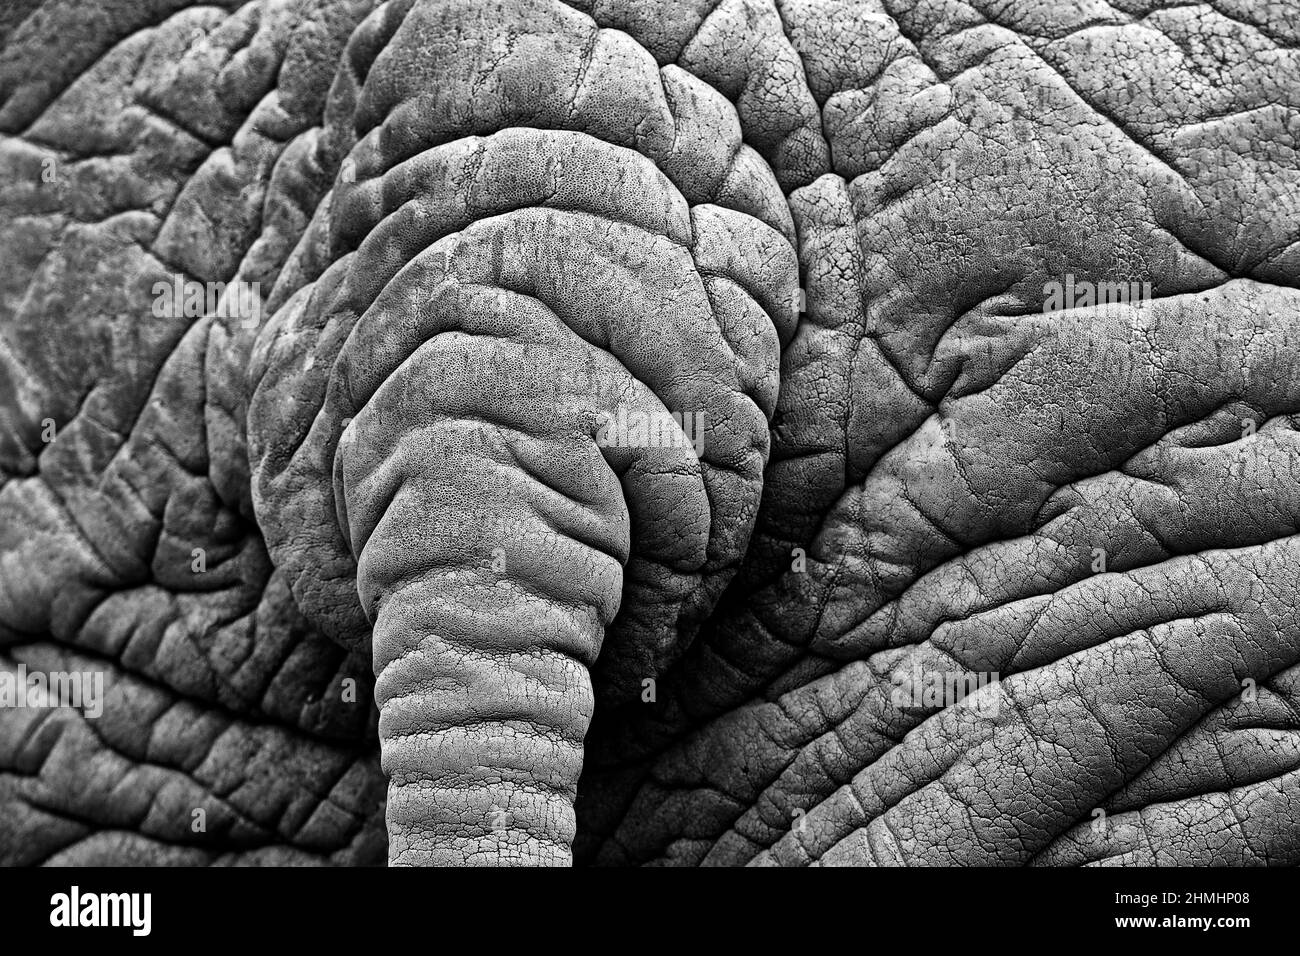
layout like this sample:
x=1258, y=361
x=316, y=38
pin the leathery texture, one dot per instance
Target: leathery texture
x=943, y=562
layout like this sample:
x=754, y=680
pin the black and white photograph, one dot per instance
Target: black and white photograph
x=465, y=434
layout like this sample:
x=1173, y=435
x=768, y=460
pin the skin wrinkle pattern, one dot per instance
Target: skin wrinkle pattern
x=709, y=432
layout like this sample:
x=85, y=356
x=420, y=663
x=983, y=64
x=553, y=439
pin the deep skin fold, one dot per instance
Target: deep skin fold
x=921, y=480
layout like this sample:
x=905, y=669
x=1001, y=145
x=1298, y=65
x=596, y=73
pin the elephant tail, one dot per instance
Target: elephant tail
x=491, y=530
x=524, y=433
x=481, y=652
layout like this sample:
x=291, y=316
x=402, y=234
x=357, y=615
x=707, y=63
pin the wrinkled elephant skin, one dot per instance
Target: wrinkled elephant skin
x=773, y=432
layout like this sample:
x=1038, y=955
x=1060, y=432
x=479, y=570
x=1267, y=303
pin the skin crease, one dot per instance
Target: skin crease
x=364, y=583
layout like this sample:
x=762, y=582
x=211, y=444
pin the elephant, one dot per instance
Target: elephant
x=707, y=432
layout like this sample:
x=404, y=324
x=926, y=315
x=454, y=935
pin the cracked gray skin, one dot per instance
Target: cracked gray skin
x=432, y=600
